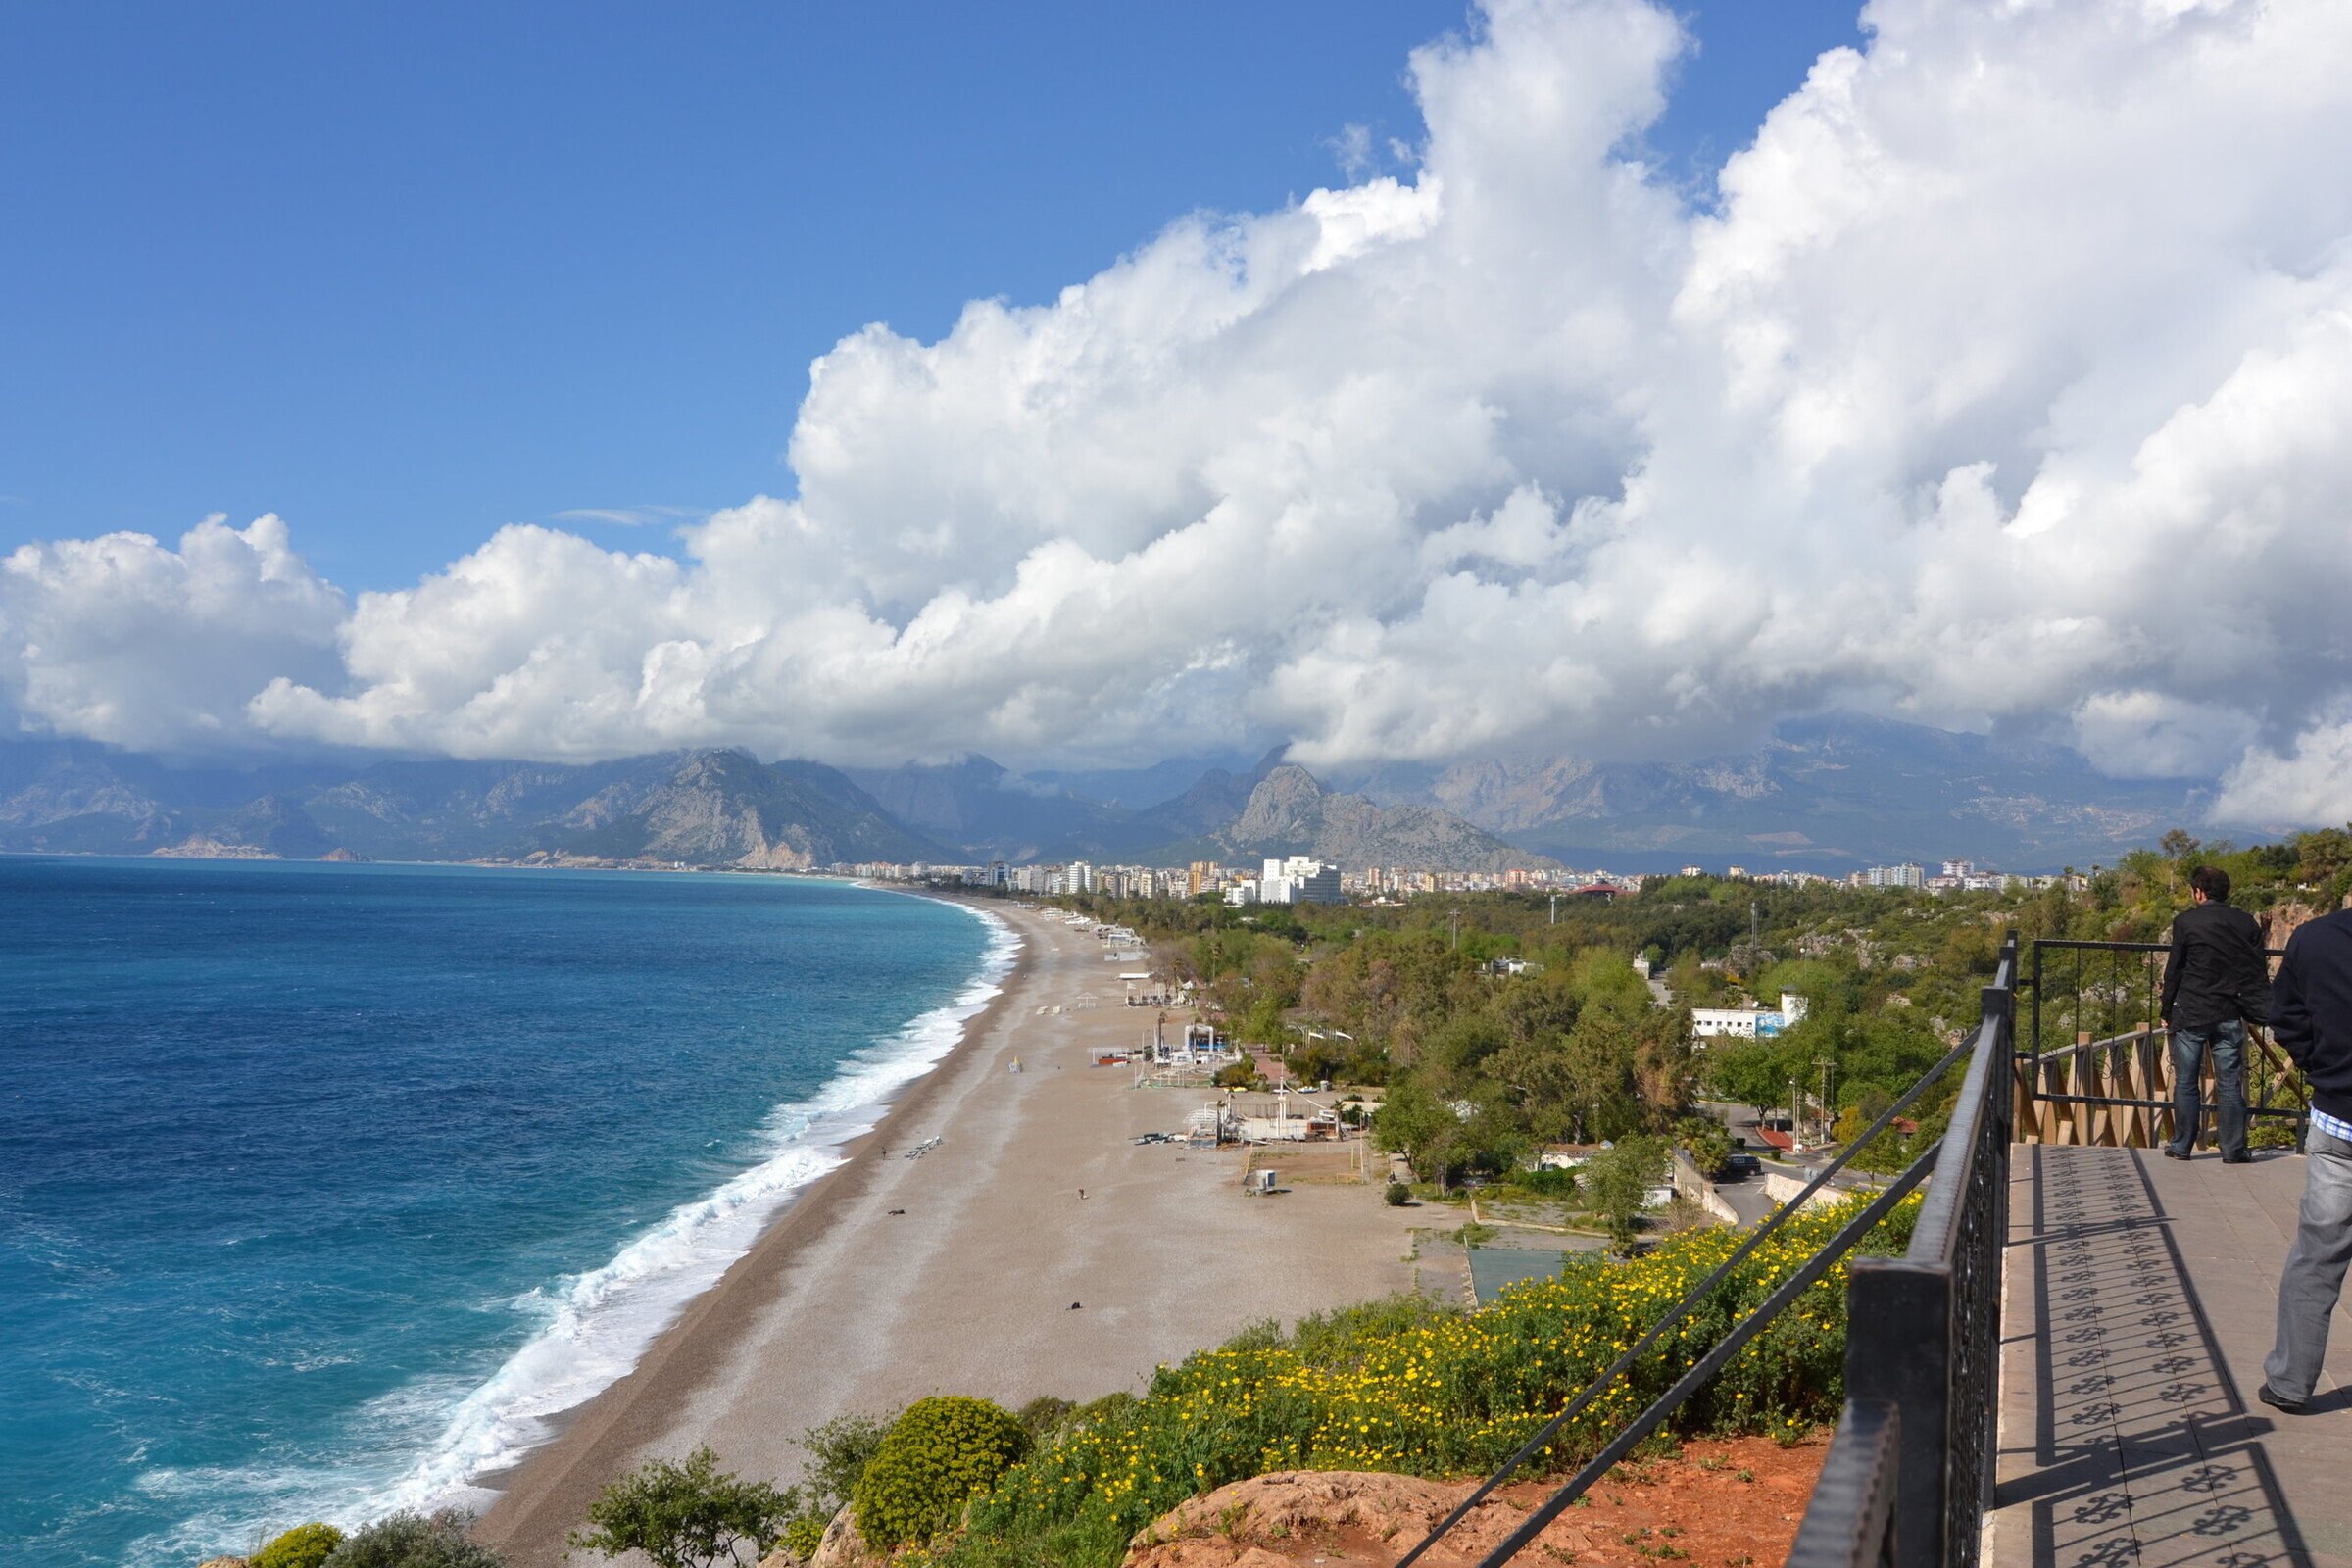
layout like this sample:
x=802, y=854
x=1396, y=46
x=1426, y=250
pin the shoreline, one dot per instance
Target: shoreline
x=978, y=1268
x=544, y=1476
x=999, y=962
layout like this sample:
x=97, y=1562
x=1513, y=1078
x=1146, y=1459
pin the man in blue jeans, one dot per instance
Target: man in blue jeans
x=2311, y=1016
x=2214, y=979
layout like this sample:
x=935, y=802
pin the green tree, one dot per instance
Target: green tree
x=1538, y=1006
x=415, y=1541
x=1705, y=1141
x=687, y=1514
x=838, y=1453
x=1617, y=1183
x=1752, y=1072
x=1535, y=1073
x=1413, y=1122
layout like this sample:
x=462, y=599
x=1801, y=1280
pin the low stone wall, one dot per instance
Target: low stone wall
x=1785, y=1190
x=1694, y=1188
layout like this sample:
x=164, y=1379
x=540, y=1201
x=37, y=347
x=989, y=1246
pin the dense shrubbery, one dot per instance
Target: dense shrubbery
x=1407, y=1388
x=933, y=1458
x=1480, y=1067
x=415, y=1541
x=302, y=1547
x=686, y=1514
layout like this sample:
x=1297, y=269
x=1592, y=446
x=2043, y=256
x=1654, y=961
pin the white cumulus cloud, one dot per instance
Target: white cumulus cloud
x=124, y=640
x=2001, y=382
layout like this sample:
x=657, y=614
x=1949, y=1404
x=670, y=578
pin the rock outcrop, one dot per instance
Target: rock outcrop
x=2279, y=920
x=842, y=1547
x=1289, y=812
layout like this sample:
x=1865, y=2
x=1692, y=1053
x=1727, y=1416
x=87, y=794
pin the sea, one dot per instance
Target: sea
x=322, y=1187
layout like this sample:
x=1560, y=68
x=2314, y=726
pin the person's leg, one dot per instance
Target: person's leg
x=2314, y=1276
x=2230, y=1088
x=2189, y=1106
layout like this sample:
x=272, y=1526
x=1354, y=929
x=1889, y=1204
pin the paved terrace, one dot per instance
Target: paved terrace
x=2140, y=1302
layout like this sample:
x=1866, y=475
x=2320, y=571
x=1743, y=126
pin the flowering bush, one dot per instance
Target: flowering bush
x=1445, y=1396
x=933, y=1458
x=302, y=1547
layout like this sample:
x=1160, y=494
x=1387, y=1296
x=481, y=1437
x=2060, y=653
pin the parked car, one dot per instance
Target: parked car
x=1739, y=1167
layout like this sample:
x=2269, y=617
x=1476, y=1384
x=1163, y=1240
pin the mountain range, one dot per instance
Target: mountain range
x=1825, y=794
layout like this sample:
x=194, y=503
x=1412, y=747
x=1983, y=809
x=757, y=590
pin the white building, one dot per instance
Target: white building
x=1299, y=879
x=1746, y=1023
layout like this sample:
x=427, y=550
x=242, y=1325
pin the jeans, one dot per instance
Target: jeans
x=2315, y=1268
x=2229, y=1042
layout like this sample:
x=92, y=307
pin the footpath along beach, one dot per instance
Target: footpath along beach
x=976, y=1267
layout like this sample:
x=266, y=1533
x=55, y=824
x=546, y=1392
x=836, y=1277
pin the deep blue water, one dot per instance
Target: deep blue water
x=321, y=1184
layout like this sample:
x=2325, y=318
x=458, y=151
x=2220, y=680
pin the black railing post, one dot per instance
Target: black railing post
x=2033, y=1085
x=1898, y=1332
x=1854, y=1516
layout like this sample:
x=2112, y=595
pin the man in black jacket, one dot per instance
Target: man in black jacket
x=2311, y=1016
x=2214, y=979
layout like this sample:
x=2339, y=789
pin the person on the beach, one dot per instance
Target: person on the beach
x=2214, y=979
x=2311, y=1016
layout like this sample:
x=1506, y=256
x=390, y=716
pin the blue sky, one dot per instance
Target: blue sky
x=406, y=274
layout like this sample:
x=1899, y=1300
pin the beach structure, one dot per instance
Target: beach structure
x=1208, y=1126
x=1292, y=1117
x=1200, y=1045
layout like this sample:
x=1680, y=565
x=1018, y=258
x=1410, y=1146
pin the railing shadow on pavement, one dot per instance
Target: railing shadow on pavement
x=2143, y=1449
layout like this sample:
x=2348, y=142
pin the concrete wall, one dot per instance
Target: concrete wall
x=1694, y=1188
x=1784, y=1190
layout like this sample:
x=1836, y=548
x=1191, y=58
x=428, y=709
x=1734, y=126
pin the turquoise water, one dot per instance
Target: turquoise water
x=322, y=1185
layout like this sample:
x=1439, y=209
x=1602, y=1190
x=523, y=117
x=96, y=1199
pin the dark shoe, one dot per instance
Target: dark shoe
x=2169, y=1152
x=2238, y=1160
x=2279, y=1402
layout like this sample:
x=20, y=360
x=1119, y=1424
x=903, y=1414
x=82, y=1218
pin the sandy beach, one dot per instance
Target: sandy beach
x=957, y=1271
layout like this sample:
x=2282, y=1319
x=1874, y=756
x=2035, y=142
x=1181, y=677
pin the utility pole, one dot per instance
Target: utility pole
x=1825, y=1063
x=1555, y=909
x=1456, y=916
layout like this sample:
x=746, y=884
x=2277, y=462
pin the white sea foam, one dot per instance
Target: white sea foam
x=597, y=1324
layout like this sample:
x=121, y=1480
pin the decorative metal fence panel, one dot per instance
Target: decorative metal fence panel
x=1923, y=1339
x=2095, y=1063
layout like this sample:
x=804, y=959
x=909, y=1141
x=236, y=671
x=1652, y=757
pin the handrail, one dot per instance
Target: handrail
x=2126, y=1069
x=1850, y=1521
x=1923, y=1337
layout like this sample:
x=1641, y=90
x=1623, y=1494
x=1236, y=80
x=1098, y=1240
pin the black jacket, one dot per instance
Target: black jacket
x=2310, y=1008
x=2216, y=971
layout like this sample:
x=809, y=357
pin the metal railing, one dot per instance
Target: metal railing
x=1909, y=1472
x=2095, y=1063
x=1941, y=1373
